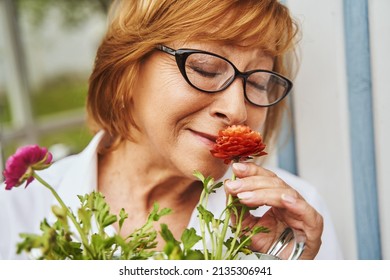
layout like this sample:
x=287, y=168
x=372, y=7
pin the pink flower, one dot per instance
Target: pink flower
x=21, y=165
x=238, y=142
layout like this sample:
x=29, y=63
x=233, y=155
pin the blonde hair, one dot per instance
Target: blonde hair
x=137, y=26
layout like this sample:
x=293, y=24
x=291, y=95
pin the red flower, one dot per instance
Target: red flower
x=20, y=166
x=238, y=143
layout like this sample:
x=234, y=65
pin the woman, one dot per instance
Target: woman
x=168, y=76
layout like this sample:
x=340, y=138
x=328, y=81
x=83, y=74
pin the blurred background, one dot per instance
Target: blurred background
x=337, y=137
x=47, y=48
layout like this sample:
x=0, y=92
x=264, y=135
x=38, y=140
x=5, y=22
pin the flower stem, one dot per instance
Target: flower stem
x=68, y=213
x=243, y=242
x=225, y=223
x=237, y=233
x=224, y=229
x=202, y=227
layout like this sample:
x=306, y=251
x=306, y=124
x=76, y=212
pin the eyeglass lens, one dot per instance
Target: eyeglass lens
x=211, y=73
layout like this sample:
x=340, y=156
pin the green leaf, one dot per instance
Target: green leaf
x=59, y=212
x=199, y=175
x=101, y=210
x=85, y=216
x=194, y=255
x=205, y=214
x=246, y=251
x=189, y=238
x=258, y=229
x=155, y=215
x=103, y=246
x=83, y=198
x=122, y=217
x=165, y=211
x=167, y=235
x=216, y=186
x=30, y=241
x=173, y=251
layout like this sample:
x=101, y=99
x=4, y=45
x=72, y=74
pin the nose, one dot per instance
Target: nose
x=229, y=105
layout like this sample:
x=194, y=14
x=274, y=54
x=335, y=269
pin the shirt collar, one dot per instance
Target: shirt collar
x=81, y=177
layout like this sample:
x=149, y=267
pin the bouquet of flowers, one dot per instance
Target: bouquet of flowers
x=83, y=235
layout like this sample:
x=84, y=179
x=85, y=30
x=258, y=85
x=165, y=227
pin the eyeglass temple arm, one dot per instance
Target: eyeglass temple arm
x=166, y=49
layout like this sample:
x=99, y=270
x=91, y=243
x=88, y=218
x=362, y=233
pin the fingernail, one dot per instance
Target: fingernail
x=245, y=195
x=240, y=166
x=233, y=185
x=288, y=198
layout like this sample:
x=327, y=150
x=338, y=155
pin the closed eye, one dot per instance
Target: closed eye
x=257, y=86
x=204, y=73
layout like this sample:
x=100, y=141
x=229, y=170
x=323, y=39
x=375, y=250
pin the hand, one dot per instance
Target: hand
x=256, y=186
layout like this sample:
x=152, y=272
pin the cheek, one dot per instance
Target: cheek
x=165, y=108
x=170, y=92
x=257, y=117
x=158, y=95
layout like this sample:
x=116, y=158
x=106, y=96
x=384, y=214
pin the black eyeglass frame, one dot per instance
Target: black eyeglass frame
x=181, y=56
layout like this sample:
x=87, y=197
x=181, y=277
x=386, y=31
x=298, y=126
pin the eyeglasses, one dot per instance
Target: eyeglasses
x=212, y=73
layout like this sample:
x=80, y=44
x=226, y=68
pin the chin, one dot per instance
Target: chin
x=214, y=169
x=200, y=159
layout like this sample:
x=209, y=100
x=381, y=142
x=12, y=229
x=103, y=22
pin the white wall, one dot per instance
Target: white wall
x=321, y=113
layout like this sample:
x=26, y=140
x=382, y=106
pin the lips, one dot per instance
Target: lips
x=211, y=138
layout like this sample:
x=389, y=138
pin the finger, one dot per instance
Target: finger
x=301, y=215
x=253, y=183
x=245, y=169
x=267, y=196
